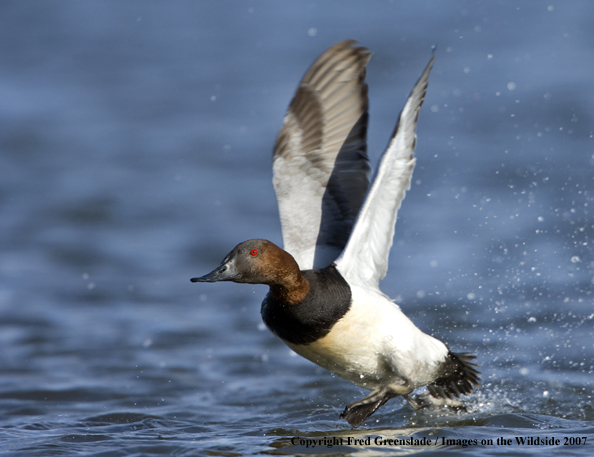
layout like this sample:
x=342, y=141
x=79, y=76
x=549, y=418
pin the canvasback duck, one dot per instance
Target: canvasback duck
x=324, y=300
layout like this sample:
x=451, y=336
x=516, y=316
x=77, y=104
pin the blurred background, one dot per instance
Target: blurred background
x=135, y=152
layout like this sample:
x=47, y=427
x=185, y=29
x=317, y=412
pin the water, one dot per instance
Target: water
x=135, y=145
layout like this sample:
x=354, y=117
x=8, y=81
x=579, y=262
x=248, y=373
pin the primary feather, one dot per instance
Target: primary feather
x=365, y=258
x=322, y=147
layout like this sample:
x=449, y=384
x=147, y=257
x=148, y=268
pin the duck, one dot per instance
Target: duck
x=324, y=300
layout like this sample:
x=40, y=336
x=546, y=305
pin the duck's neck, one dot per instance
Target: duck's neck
x=287, y=284
x=291, y=287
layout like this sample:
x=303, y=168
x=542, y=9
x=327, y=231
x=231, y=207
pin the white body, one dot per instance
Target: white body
x=375, y=345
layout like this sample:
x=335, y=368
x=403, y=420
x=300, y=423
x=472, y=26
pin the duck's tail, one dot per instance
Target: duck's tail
x=458, y=376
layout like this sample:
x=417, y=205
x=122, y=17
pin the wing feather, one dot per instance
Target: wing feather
x=364, y=260
x=320, y=164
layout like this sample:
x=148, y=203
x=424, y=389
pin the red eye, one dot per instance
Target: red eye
x=254, y=252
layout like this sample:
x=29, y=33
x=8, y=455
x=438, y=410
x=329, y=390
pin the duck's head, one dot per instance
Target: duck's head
x=255, y=262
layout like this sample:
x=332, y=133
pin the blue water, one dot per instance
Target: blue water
x=135, y=148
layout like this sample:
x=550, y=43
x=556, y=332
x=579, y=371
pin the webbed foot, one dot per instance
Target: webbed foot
x=356, y=413
x=426, y=401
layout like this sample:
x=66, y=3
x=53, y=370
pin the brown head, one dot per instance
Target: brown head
x=262, y=262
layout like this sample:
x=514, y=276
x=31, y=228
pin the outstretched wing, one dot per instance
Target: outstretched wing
x=364, y=260
x=320, y=164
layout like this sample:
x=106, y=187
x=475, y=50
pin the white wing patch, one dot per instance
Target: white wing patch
x=364, y=260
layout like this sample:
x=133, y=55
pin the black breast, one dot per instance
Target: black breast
x=328, y=299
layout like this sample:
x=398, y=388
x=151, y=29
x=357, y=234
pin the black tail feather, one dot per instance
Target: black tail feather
x=458, y=377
